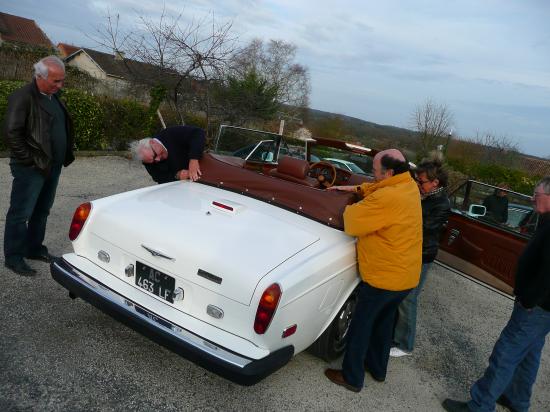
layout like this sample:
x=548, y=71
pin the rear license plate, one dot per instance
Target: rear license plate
x=155, y=282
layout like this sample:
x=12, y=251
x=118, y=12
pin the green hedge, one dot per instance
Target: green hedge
x=123, y=121
x=101, y=123
x=495, y=174
x=87, y=115
x=6, y=88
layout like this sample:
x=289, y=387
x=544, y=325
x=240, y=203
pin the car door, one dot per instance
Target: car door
x=478, y=246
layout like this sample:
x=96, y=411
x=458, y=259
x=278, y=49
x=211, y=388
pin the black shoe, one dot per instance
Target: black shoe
x=42, y=256
x=451, y=405
x=21, y=268
x=504, y=401
x=376, y=378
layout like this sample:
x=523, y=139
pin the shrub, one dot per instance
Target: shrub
x=123, y=121
x=104, y=123
x=87, y=115
x=495, y=174
x=6, y=88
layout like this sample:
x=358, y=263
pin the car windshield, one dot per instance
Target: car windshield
x=256, y=145
x=267, y=147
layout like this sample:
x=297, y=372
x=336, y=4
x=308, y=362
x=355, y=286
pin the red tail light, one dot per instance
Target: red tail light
x=80, y=215
x=266, y=308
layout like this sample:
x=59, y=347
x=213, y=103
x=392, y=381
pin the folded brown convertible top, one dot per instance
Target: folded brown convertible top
x=229, y=173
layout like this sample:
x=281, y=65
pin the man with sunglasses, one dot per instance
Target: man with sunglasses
x=515, y=360
x=173, y=154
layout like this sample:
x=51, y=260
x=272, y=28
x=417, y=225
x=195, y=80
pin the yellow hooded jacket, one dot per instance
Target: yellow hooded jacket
x=388, y=225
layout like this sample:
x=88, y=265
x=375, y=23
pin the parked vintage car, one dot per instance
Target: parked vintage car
x=346, y=165
x=476, y=244
x=238, y=271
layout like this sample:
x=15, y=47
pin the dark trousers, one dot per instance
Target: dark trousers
x=32, y=197
x=370, y=334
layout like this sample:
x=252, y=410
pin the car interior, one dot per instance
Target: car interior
x=301, y=162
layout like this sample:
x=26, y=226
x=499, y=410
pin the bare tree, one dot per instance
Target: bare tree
x=495, y=149
x=433, y=122
x=274, y=62
x=185, y=57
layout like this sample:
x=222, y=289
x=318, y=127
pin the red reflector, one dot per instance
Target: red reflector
x=266, y=308
x=226, y=207
x=289, y=331
x=80, y=215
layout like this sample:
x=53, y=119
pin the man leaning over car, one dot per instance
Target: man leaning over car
x=173, y=154
x=388, y=225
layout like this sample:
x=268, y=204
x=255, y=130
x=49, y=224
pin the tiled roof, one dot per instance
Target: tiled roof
x=535, y=165
x=66, y=49
x=22, y=30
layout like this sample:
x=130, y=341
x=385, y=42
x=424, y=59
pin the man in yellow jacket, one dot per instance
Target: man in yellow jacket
x=388, y=227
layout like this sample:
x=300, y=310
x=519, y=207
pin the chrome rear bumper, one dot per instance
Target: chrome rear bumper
x=226, y=363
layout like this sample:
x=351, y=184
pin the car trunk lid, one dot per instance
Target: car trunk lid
x=215, y=239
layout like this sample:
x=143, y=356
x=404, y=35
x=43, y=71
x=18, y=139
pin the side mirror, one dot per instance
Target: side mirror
x=477, y=211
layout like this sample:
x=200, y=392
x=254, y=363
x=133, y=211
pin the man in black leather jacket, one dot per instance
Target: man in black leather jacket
x=432, y=181
x=39, y=135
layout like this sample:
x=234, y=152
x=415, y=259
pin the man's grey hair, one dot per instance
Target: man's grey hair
x=544, y=184
x=136, y=148
x=41, y=68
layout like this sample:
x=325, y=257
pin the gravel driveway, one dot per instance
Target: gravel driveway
x=63, y=354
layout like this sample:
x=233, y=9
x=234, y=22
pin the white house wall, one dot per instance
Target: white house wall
x=84, y=63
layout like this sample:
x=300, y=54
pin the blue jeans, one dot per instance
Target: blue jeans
x=515, y=361
x=32, y=197
x=404, y=333
x=370, y=333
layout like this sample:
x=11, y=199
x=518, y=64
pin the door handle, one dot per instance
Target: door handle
x=452, y=236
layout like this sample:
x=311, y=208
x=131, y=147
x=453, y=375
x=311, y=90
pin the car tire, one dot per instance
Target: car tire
x=331, y=344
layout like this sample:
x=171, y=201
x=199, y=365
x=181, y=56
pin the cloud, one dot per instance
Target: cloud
x=376, y=60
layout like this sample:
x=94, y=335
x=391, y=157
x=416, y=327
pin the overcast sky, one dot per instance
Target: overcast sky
x=487, y=60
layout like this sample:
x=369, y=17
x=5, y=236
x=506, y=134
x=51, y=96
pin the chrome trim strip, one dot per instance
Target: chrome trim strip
x=156, y=253
x=176, y=331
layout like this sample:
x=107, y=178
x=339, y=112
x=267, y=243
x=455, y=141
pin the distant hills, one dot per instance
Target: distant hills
x=362, y=130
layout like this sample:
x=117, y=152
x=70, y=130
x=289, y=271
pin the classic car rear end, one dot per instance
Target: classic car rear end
x=233, y=283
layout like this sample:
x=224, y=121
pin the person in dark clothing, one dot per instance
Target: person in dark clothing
x=173, y=154
x=515, y=360
x=39, y=136
x=436, y=208
x=497, y=205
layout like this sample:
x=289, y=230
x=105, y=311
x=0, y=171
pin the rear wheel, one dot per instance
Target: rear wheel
x=331, y=344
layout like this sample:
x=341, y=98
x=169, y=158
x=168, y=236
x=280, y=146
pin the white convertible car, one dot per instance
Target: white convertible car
x=237, y=272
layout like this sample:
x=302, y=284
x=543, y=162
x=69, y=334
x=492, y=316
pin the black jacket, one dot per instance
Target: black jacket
x=533, y=270
x=497, y=208
x=28, y=126
x=183, y=143
x=436, y=209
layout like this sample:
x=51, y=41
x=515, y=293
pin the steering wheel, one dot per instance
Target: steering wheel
x=324, y=172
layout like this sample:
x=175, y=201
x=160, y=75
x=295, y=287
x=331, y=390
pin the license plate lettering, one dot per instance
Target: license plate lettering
x=155, y=281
